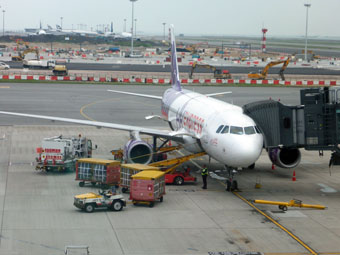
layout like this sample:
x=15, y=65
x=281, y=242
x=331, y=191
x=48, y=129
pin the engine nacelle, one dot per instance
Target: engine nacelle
x=285, y=157
x=138, y=151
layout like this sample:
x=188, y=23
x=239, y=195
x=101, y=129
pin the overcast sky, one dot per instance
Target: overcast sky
x=194, y=17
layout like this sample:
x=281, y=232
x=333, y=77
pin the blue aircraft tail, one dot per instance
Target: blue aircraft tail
x=175, y=82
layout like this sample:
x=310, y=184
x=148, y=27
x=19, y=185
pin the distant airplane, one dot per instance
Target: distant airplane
x=198, y=122
x=76, y=32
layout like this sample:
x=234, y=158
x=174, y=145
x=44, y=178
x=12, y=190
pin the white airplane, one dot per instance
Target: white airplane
x=198, y=122
x=75, y=32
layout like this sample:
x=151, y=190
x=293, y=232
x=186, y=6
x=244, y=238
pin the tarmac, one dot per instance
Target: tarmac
x=37, y=215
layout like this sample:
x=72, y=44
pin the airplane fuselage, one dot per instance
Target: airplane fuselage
x=220, y=129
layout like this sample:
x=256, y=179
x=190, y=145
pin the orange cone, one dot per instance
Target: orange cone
x=169, y=143
x=294, y=176
x=273, y=167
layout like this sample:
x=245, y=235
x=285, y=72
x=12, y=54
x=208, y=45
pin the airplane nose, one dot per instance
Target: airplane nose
x=245, y=152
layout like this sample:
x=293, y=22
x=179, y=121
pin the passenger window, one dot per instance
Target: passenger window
x=249, y=130
x=257, y=130
x=236, y=130
x=225, y=130
x=219, y=129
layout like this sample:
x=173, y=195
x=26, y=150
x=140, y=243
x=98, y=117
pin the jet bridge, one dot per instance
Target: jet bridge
x=313, y=125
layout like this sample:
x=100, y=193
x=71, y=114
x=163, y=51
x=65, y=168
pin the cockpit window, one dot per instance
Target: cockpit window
x=225, y=130
x=249, y=130
x=219, y=129
x=257, y=130
x=236, y=130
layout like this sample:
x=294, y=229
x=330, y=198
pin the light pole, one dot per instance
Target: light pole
x=135, y=28
x=3, y=22
x=164, y=30
x=307, y=7
x=61, y=22
x=132, y=1
x=124, y=25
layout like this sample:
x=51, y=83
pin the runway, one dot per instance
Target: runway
x=38, y=217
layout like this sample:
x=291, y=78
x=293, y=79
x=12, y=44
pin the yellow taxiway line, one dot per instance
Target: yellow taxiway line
x=309, y=249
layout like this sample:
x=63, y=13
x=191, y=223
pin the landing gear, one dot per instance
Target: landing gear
x=231, y=184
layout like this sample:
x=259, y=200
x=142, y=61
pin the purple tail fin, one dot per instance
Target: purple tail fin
x=176, y=83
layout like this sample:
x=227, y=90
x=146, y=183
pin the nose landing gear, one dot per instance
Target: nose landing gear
x=231, y=184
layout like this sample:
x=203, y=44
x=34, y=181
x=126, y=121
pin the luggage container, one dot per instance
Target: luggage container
x=147, y=187
x=127, y=170
x=97, y=171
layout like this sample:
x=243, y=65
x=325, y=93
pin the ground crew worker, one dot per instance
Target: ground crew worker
x=204, y=173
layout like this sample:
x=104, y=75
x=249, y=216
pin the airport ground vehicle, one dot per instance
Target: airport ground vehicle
x=180, y=177
x=4, y=66
x=147, y=187
x=60, y=153
x=21, y=55
x=172, y=174
x=263, y=74
x=60, y=70
x=218, y=73
x=292, y=203
x=97, y=171
x=40, y=64
x=128, y=170
x=105, y=199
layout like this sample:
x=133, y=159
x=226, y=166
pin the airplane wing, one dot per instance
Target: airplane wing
x=147, y=131
x=159, y=97
x=135, y=94
x=219, y=93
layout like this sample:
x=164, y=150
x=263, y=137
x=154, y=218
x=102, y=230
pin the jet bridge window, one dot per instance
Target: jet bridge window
x=219, y=129
x=225, y=130
x=249, y=130
x=236, y=130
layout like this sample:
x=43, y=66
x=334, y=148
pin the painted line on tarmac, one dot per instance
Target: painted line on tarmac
x=5, y=87
x=93, y=103
x=326, y=188
x=304, y=245
x=309, y=249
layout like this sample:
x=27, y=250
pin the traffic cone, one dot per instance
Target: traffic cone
x=273, y=167
x=169, y=143
x=294, y=176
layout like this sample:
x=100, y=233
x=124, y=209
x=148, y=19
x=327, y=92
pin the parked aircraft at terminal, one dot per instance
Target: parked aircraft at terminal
x=199, y=122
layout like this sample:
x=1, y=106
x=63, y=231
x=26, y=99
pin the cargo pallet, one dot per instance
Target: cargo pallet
x=97, y=171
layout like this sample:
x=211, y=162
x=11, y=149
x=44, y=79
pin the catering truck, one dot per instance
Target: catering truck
x=60, y=153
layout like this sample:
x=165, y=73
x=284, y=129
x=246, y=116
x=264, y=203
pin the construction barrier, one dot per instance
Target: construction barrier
x=167, y=81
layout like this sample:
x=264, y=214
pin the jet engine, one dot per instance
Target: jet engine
x=138, y=151
x=285, y=157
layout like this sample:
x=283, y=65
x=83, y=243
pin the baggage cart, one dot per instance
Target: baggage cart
x=127, y=170
x=97, y=171
x=147, y=187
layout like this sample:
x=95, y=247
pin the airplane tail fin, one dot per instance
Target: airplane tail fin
x=175, y=82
